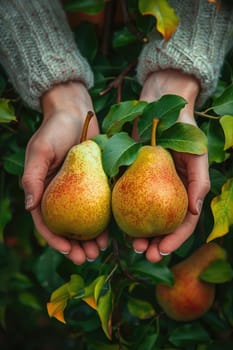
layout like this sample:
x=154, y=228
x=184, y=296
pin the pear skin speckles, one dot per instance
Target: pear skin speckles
x=149, y=199
x=77, y=202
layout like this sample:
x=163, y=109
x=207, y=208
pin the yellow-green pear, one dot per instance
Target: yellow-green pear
x=149, y=199
x=77, y=202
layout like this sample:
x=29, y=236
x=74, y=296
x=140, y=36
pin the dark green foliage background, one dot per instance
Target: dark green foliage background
x=30, y=271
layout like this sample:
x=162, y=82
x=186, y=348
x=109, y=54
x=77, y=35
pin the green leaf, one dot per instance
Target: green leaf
x=93, y=290
x=123, y=37
x=14, y=163
x=149, y=341
x=214, y=320
x=215, y=138
x=226, y=122
x=75, y=287
x=5, y=215
x=189, y=334
x=219, y=271
x=46, y=268
x=121, y=113
x=60, y=297
x=88, y=6
x=99, y=284
x=29, y=299
x=184, y=137
x=100, y=102
x=157, y=273
x=120, y=150
x=101, y=140
x=7, y=113
x=166, y=109
x=217, y=179
x=167, y=20
x=227, y=306
x=98, y=295
x=20, y=281
x=222, y=209
x=86, y=38
x=223, y=105
x=140, y=308
x=104, y=310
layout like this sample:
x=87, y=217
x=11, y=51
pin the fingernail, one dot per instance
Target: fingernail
x=28, y=201
x=199, y=206
x=64, y=253
x=103, y=249
x=138, y=251
x=164, y=254
x=90, y=260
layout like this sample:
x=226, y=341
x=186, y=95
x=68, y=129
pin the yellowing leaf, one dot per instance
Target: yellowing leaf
x=7, y=113
x=91, y=302
x=98, y=295
x=167, y=20
x=226, y=122
x=222, y=209
x=60, y=297
x=105, y=313
x=56, y=309
x=140, y=308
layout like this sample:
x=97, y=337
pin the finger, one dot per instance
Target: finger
x=153, y=253
x=91, y=249
x=173, y=241
x=198, y=182
x=140, y=245
x=35, y=172
x=102, y=241
x=77, y=254
x=56, y=242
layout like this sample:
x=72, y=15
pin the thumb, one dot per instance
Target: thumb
x=35, y=172
x=198, y=182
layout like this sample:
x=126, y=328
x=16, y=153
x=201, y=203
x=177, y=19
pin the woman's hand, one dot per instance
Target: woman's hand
x=64, y=111
x=193, y=169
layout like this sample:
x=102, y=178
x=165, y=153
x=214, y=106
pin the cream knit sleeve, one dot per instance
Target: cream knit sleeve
x=37, y=48
x=198, y=47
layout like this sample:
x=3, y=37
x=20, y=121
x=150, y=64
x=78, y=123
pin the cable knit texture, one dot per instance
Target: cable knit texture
x=198, y=46
x=37, y=48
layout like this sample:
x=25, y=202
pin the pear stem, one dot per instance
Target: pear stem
x=85, y=126
x=153, y=131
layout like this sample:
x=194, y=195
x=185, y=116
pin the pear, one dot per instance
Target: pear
x=149, y=199
x=190, y=297
x=77, y=202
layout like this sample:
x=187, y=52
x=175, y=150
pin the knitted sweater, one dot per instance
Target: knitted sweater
x=198, y=47
x=37, y=48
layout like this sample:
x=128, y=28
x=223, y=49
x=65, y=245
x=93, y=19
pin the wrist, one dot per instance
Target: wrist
x=69, y=102
x=71, y=96
x=172, y=81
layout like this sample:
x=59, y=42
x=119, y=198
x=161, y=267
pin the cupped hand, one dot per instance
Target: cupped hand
x=192, y=169
x=64, y=108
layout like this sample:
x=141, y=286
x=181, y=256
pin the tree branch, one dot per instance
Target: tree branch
x=118, y=81
x=130, y=24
